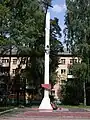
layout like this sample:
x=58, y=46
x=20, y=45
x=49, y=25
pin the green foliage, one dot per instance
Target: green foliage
x=77, y=36
x=78, y=26
x=26, y=25
x=55, y=35
x=4, y=23
x=23, y=21
x=55, y=47
x=79, y=71
x=72, y=92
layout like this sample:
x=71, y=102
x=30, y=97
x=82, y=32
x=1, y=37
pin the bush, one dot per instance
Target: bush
x=72, y=93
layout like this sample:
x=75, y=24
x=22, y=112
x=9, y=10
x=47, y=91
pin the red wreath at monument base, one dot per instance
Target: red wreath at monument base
x=46, y=86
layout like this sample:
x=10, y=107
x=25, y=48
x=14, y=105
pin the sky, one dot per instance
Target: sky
x=58, y=11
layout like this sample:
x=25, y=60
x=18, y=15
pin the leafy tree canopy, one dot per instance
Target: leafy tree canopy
x=23, y=21
x=78, y=26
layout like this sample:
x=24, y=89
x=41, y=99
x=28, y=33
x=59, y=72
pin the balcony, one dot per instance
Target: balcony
x=70, y=76
x=5, y=64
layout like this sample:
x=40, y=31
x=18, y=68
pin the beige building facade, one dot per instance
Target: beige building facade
x=9, y=65
x=66, y=59
x=62, y=70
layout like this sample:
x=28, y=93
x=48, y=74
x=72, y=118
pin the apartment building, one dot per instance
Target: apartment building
x=65, y=60
x=9, y=65
x=9, y=62
x=13, y=62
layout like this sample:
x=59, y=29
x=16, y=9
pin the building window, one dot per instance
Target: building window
x=63, y=81
x=23, y=61
x=13, y=71
x=63, y=71
x=62, y=61
x=70, y=72
x=14, y=61
x=73, y=60
x=5, y=60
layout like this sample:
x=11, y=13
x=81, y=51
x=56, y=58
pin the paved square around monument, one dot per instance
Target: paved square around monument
x=35, y=114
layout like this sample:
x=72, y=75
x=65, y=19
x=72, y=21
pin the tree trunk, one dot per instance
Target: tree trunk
x=84, y=89
x=9, y=80
x=17, y=98
x=24, y=92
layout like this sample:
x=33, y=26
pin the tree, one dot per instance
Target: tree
x=4, y=23
x=77, y=35
x=55, y=47
x=80, y=72
x=74, y=91
x=26, y=30
x=77, y=26
x=28, y=33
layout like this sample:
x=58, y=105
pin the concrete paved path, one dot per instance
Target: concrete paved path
x=34, y=114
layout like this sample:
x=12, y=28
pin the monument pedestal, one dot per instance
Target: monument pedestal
x=45, y=105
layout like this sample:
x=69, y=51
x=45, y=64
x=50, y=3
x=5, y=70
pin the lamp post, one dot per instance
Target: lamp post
x=45, y=104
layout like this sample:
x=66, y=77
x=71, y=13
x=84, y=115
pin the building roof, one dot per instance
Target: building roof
x=6, y=52
x=65, y=53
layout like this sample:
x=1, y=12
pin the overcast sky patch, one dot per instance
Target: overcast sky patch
x=58, y=8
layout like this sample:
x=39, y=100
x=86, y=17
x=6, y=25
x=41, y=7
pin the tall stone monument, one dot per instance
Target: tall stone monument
x=45, y=104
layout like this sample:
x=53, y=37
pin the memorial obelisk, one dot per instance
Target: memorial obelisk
x=45, y=104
